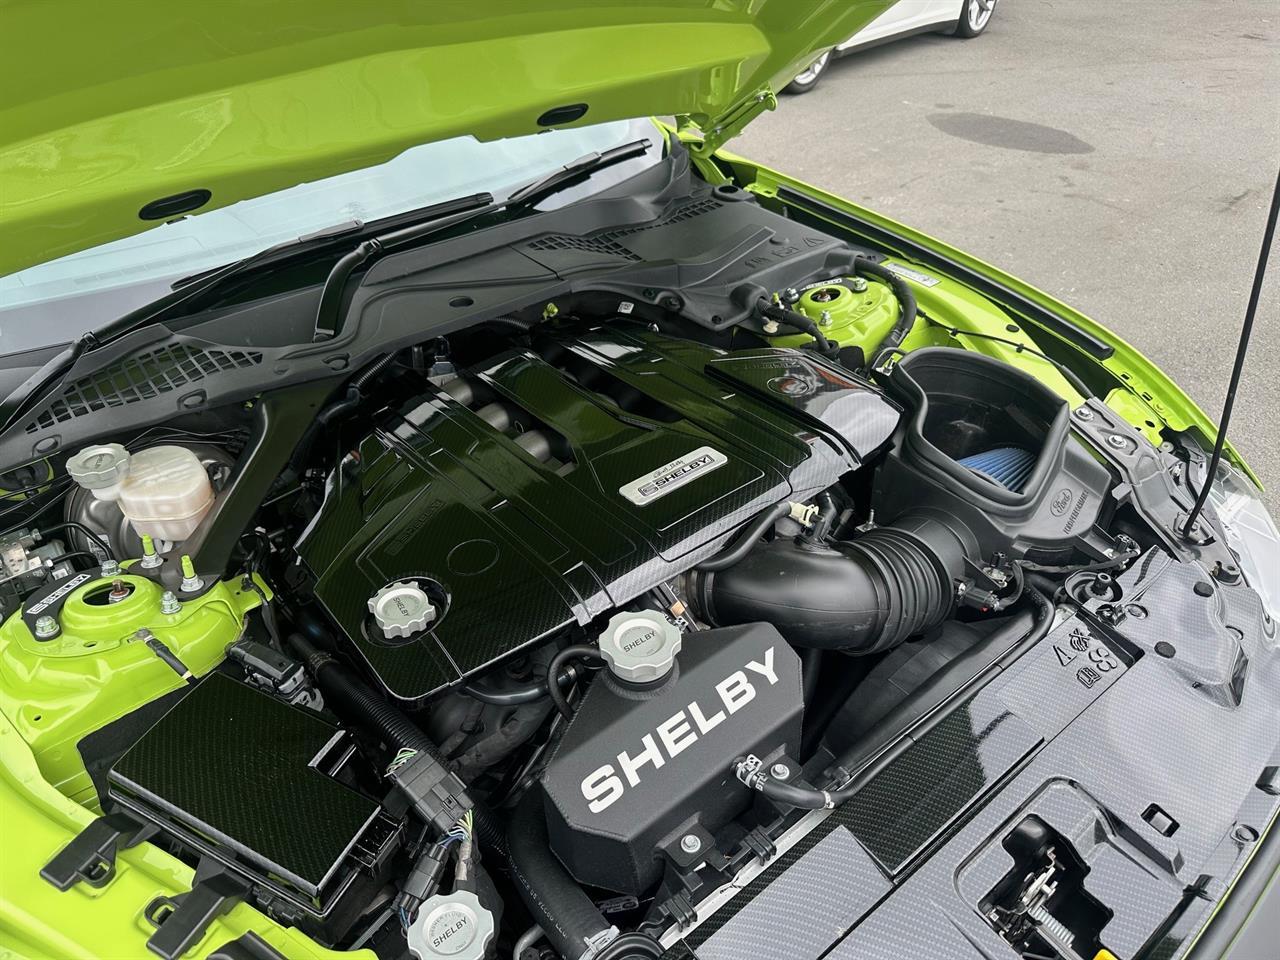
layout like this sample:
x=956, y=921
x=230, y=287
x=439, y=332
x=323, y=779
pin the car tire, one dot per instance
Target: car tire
x=808, y=79
x=975, y=16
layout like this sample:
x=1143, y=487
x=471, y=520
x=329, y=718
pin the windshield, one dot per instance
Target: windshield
x=81, y=291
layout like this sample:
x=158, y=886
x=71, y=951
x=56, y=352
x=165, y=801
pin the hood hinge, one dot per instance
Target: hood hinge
x=705, y=142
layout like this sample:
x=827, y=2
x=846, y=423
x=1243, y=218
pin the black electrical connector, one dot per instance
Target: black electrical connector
x=434, y=791
x=424, y=879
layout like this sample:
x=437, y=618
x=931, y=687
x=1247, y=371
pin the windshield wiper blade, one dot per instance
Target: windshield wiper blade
x=573, y=170
x=330, y=313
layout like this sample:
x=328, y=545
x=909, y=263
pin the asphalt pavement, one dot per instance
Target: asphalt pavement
x=1118, y=154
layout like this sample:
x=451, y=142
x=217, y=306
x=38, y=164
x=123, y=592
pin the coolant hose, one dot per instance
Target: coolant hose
x=568, y=918
x=906, y=300
x=861, y=596
x=350, y=697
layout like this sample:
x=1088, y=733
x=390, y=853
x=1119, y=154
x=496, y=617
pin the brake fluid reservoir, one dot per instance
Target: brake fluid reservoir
x=166, y=492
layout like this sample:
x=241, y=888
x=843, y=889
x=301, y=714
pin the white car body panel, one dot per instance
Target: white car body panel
x=904, y=17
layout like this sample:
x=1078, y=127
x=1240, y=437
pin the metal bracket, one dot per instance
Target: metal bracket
x=91, y=855
x=724, y=128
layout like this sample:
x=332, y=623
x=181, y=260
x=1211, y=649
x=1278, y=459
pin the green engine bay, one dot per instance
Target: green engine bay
x=99, y=667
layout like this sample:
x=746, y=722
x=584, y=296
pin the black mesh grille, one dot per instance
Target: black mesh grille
x=141, y=377
x=687, y=212
x=607, y=242
x=586, y=244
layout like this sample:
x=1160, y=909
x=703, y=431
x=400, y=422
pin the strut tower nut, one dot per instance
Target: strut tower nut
x=401, y=609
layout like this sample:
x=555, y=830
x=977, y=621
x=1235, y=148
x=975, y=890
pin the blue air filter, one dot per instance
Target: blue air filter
x=1008, y=466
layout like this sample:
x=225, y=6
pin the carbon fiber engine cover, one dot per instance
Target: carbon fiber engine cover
x=556, y=483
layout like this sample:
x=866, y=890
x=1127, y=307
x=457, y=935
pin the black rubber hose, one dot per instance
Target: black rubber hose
x=906, y=300
x=511, y=323
x=798, y=320
x=528, y=693
x=742, y=546
x=557, y=665
x=568, y=918
x=350, y=697
x=83, y=531
x=862, y=596
x=339, y=408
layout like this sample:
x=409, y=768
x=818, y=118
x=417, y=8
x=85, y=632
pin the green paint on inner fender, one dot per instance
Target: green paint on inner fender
x=95, y=671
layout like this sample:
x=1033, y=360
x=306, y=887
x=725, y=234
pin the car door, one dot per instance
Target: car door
x=904, y=17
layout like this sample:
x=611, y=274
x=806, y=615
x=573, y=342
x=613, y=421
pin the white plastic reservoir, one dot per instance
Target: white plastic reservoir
x=164, y=491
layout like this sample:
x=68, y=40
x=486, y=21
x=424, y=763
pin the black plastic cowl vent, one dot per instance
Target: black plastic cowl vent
x=609, y=242
x=139, y=377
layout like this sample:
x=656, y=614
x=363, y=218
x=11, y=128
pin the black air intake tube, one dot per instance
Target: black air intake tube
x=861, y=596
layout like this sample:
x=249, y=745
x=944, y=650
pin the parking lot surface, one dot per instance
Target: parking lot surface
x=1119, y=154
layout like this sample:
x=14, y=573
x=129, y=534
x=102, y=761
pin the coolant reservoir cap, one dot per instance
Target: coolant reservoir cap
x=640, y=646
x=98, y=466
x=452, y=927
x=401, y=609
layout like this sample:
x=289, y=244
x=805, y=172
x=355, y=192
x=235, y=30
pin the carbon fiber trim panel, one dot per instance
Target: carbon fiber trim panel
x=922, y=791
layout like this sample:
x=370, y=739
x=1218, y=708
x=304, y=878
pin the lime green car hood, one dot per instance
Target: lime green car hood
x=106, y=107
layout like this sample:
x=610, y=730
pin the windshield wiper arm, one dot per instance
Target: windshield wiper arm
x=330, y=313
x=191, y=288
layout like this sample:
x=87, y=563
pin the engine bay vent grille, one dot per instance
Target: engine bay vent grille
x=687, y=212
x=140, y=377
x=586, y=244
x=607, y=243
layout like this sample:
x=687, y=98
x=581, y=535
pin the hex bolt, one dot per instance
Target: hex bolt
x=771, y=327
x=1084, y=413
x=824, y=318
x=790, y=295
x=858, y=285
x=47, y=627
x=780, y=771
x=169, y=603
x=690, y=843
x=110, y=567
x=1115, y=440
x=119, y=590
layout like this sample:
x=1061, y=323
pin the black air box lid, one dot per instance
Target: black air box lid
x=236, y=775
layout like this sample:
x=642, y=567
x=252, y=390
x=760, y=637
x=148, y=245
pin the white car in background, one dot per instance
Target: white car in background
x=960, y=18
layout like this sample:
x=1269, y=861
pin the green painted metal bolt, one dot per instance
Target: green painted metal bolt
x=150, y=559
x=190, y=581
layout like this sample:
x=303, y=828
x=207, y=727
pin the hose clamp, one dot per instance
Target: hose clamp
x=748, y=769
x=597, y=942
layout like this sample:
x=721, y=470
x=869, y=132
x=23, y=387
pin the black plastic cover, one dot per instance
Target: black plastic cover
x=514, y=549
x=636, y=771
x=236, y=775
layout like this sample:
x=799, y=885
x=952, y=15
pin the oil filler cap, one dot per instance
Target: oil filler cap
x=640, y=646
x=401, y=609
